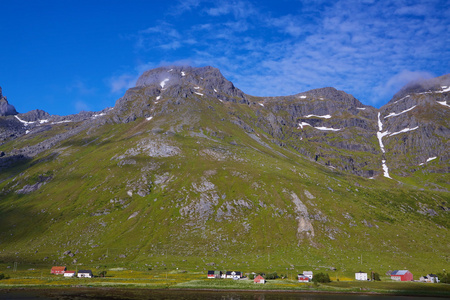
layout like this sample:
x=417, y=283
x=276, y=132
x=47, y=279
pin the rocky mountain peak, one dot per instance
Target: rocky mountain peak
x=330, y=93
x=208, y=78
x=6, y=109
x=437, y=84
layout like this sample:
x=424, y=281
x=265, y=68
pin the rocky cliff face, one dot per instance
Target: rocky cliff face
x=324, y=125
x=6, y=109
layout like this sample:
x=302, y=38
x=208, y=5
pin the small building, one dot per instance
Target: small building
x=85, y=274
x=361, y=276
x=308, y=274
x=58, y=270
x=259, y=279
x=70, y=274
x=429, y=278
x=233, y=274
x=214, y=274
x=402, y=275
x=303, y=278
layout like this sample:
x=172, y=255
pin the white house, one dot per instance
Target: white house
x=429, y=278
x=308, y=274
x=85, y=274
x=69, y=274
x=233, y=274
x=361, y=276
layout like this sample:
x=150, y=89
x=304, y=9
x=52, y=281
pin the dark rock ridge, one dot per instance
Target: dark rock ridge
x=324, y=125
x=6, y=109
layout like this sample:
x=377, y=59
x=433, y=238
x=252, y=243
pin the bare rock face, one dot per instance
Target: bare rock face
x=6, y=109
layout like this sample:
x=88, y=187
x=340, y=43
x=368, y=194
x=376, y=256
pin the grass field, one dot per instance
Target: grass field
x=120, y=278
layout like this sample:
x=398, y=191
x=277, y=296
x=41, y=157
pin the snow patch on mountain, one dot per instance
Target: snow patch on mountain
x=381, y=134
x=198, y=93
x=300, y=125
x=385, y=169
x=403, y=130
x=397, y=114
x=407, y=96
x=327, y=128
x=25, y=123
x=324, y=116
x=98, y=115
x=428, y=160
x=443, y=103
x=444, y=89
x=163, y=83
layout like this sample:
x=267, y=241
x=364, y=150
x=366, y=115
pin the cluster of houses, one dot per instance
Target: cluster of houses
x=401, y=275
x=66, y=273
x=229, y=274
x=307, y=276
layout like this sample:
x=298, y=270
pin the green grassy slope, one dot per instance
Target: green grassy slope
x=193, y=186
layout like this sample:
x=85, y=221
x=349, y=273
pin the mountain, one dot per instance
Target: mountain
x=5, y=108
x=187, y=171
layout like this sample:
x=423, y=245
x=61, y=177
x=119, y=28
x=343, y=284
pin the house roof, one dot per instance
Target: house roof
x=399, y=272
x=259, y=277
x=70, y=272
x=59, y=268
x=85, y=271
x=210, y=272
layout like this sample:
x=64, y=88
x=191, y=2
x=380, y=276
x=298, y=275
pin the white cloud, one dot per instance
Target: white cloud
x=122, y=82
x=396, y=82
x=364, y=48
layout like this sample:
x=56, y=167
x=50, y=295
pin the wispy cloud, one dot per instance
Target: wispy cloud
x=364, y=48
x=121, y=82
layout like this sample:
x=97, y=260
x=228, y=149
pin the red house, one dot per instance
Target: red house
x=303, y=278
x=58, y=270
x=259, y=279
x=402, y=275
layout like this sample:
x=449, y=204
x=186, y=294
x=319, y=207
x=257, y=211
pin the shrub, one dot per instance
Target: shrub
x=273, y=275
x=3, y=276
x=376, y=277
x=321, y=277
x=443, y=277
x=102, y=274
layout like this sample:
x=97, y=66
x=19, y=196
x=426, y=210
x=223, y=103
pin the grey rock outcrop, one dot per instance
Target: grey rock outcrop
x=6, y=109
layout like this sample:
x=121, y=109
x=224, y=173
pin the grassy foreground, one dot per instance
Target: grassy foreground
x=173, y=280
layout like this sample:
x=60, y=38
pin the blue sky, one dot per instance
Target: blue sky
x=66, y=56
